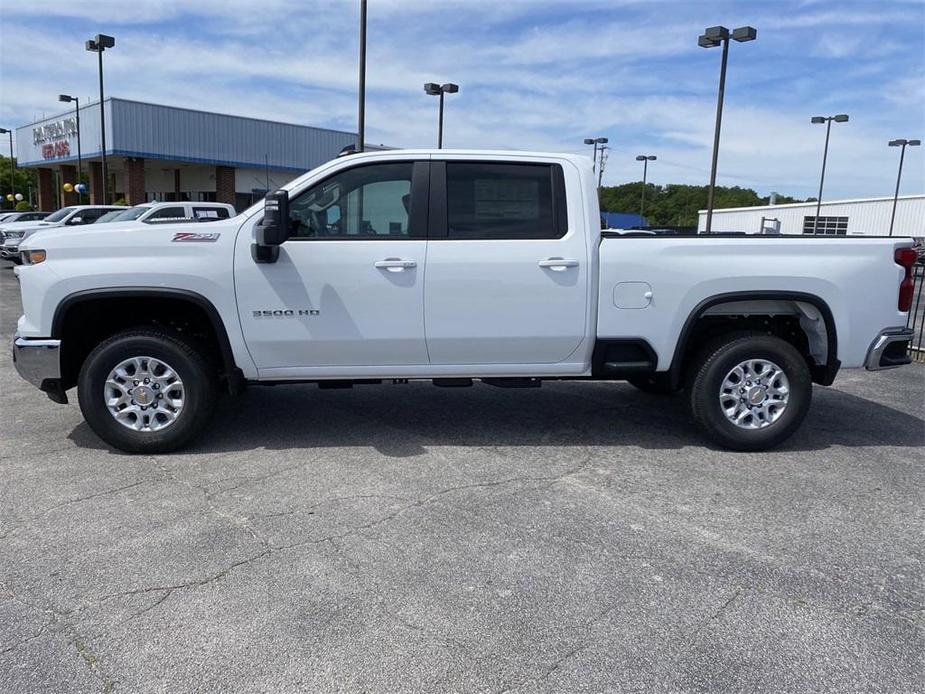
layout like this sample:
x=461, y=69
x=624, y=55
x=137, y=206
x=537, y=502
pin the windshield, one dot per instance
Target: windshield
x=132, y=213
x=59, y=215
x=109, y=217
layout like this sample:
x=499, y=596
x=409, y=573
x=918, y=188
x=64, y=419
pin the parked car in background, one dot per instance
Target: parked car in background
x=174, y=212
x=28, y=216
x=73, y=215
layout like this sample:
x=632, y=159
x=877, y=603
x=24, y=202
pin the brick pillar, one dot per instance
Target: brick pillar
x=134, y=180
x=97, y=194
x=47, y=197
x=224, y=184
x=68, y=175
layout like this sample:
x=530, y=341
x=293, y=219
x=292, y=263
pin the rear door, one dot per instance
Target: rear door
x=507, y=266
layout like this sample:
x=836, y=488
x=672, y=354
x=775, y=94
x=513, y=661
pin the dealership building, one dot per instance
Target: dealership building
x=156, y=152
x=864, y=217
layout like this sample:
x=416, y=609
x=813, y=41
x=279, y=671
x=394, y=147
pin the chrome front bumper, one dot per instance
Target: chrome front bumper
x=38, y=361
x=889, y=350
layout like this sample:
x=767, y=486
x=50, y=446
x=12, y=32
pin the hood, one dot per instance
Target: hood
x=18, y=226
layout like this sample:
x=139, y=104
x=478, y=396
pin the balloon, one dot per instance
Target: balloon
x=18, y=197
x=10, y=197
x=68, y=188
x=81, y=188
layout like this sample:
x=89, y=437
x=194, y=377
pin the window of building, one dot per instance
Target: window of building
x=501, y=201
x=828, y=226
x=367, y=202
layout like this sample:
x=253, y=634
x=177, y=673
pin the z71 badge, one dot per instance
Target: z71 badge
x=201, y=236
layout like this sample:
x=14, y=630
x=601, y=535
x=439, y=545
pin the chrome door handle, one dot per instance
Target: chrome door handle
x=395, y=264
x=558, y=264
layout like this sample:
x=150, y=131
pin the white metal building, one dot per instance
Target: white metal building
x=866, y=217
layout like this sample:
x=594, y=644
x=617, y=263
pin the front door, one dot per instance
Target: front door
x=347, y=290
x=507, y=265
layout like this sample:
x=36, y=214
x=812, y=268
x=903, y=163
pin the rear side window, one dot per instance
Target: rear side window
x=504, y=201
x=209, y=213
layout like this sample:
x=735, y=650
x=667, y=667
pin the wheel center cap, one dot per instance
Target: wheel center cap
x=143, y=395
x=756, y=395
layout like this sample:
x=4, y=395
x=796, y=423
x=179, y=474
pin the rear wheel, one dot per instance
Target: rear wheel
x=749, y=392
x=146, y=391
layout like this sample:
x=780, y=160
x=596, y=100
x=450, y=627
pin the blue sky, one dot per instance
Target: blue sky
x=534, y=74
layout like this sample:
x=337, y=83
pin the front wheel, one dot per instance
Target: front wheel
x=749, y=392
x=146, y=391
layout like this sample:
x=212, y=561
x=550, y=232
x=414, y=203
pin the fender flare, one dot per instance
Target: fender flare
x=229, y=367
x=823, y=374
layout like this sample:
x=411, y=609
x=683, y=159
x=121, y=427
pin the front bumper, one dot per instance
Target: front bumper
x=39, y=362
x=889, y=350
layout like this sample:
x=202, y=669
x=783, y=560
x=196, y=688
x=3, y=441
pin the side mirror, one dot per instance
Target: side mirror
x=273, y=229
x=76, y=220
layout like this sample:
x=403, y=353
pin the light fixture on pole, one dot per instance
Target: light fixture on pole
x=68, y=99
x=902, y=155
x=645, y=159
x=98, y=45
x=9, y=131
x=434, y=89
x=711, y=38
x=595, y=141
x=840, y=118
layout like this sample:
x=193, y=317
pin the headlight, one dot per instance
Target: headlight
x=33, y=257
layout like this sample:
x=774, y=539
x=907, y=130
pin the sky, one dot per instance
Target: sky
x=533, y=74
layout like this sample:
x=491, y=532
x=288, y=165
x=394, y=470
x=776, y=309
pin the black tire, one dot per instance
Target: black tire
x=655, y=384
x=197, y=374
x=716, y=361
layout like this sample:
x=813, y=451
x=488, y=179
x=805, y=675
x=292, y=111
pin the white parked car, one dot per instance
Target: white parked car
x=450, y=266
x=74, y=215
x=174, y=212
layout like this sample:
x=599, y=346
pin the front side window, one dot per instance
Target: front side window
x=171, y=214
x=132, y=213
x=59, y=215
x=500, y=201
x=367, y=202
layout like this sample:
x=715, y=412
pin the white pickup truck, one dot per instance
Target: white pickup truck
x=449, y=266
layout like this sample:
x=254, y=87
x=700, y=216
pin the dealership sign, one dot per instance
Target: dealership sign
x=53, y=138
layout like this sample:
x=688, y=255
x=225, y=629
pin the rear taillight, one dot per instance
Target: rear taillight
x=906, y=257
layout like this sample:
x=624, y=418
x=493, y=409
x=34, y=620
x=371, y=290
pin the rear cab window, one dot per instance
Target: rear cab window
x=501, y=200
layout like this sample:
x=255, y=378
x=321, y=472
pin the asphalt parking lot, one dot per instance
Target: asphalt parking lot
x=581, y=537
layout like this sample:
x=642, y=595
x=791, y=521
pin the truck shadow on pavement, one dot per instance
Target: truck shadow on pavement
x=402, y=421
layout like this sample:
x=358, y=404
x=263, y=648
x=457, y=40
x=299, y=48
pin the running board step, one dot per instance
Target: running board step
x=513, y=382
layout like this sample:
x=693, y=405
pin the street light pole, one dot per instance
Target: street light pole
x=645, y=159
x=596, y=141
x=902, y=154
x=361, y=99
x=98, y=45
x=712, y=37
x=5, y=131
x=840, y=118
x=67, y=99
x=434, y=89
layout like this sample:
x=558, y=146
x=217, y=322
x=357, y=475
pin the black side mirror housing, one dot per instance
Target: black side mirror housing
x=273, y=230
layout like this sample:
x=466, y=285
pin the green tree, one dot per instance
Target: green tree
x=23, y=180
x=676, y=204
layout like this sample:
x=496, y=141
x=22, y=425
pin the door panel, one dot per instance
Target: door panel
x=507, y=277
x=329, y=304
x=347, y=287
